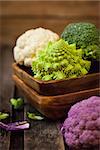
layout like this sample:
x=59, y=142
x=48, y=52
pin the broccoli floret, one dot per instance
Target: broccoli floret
x=83, y=34
x=92, y=52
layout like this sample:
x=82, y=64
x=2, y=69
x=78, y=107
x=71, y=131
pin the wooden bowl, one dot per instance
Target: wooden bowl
x=53, y=107
x=56, y=87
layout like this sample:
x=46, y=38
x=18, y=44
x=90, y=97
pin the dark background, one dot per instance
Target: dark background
x=15, y=18
x=19, y=16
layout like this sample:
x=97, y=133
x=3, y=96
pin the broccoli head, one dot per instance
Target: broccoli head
x=83, y=34
x=81, y=129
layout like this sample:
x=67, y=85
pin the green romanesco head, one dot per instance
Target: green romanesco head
x=59, y=60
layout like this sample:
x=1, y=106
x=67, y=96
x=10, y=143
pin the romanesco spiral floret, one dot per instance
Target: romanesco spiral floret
x=60, y=60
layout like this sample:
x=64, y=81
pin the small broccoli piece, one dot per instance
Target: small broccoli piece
x=83, y=34
x=3, y=115
x=34, y=116
x=58, y=61
x=16, y=103
x=92, y=51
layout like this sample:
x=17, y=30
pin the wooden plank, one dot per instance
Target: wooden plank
x=53, y=107
x=50, y=132
x=43, y=8
x=4, y=142
x=44, y=135
x=12, y=28
x=15, y=19
x=6, y=89
x=17, y=138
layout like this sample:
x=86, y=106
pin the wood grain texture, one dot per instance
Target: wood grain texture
x=5, y=142
x=6, y=89
x=17, y=138
x=50, y=134
x=13, y=28
x=6, y=84
x=53, y=107
x=44, y=135
x=54, y=87
x=19, y=16
x=43, y=8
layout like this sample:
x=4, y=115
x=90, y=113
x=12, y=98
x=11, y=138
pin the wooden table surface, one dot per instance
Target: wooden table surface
x=16, y=18
x=43, y=135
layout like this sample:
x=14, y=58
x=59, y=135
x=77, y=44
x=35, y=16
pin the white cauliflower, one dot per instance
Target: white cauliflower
x=29, y=43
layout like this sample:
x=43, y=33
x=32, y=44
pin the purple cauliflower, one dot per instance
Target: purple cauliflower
x=82, y=127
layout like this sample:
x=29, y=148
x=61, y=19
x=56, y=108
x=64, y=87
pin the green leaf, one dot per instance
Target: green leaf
x=16, y=103
x=3, y=115
x=34, y=116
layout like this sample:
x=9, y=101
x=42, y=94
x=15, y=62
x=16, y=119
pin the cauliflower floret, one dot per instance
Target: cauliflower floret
x=32, y=41
x=82, y=127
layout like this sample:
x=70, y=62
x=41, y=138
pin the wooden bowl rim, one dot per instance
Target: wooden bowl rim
x=15, y=78
x=15, y=65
